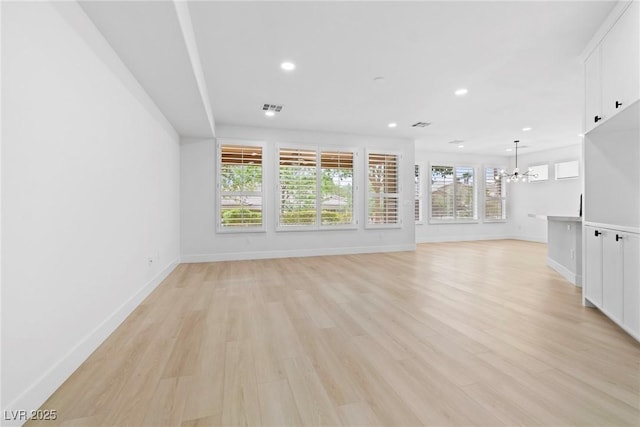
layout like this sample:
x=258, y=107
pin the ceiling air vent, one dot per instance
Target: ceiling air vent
x=456, y=141
x=420, y=124
x=272, y=107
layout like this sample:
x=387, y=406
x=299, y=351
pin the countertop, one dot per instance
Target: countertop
x=557, y=217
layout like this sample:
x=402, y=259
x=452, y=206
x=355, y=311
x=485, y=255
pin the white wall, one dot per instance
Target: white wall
x=552, y=197
x=200, y=242
x=90, y=191
x=481, y=230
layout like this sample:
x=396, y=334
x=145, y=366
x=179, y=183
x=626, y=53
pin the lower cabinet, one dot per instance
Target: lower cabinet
x=612, y=275
x=631, y=287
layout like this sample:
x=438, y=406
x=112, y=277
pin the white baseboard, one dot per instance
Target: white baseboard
x=572, y=277
x=437, y=239
x=537, y=239
x=38, y=392
x=241, y=256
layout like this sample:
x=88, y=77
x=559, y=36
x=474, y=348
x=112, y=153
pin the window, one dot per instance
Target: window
x=337, y=187
x=240, y=187
x=315, y=188
x=418, y=198
x=453, y=194
x=495, y=200
x=383, y=189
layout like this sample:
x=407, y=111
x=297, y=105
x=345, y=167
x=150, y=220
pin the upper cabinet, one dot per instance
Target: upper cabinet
x=593, y=90
x=612, y=70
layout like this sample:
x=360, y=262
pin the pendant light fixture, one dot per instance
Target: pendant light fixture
x=516, y=176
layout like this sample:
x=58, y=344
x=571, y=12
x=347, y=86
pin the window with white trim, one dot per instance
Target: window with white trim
x=418, y=196
x=240, y=201
x=453, y=194
x=495, y=199
x=315, y=188
x=383, y=201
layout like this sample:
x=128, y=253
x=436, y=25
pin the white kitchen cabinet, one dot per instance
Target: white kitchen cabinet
x=612, y=275
x=611, y=160
x=631, y=289
x=593, y=90
x=621, y=63
x=612, y=70
x=592, y=286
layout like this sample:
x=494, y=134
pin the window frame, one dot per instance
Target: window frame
x=220, y=193
x=419, y=193
x=319, y=149
x=454, y=166
x=503, y=198
x=397, y=194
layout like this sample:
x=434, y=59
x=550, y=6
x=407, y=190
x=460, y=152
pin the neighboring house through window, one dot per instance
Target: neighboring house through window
x=453, y=194
x=315, y=188
x=240, y=187
x=495, y=199
x=383, y=200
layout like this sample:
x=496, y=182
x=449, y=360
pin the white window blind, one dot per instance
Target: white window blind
x=453, y=194
x=297, y=187
x=442, y=193
x=418, y=197
x=465, y=190
x=495, y=200
x=336, y=183
x=384, y=190
x=240, y=187
x=316, y=188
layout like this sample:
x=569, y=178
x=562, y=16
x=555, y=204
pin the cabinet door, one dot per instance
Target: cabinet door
x=593, y=91
x=612, y=294
x=620, y=52
x=631, y=276
x=593, y=266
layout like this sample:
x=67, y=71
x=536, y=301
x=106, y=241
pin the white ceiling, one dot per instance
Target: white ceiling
x=519, y=60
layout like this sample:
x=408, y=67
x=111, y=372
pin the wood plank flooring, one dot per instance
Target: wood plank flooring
x=453, y=334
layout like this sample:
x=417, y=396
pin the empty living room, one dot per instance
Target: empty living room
x=320, y=213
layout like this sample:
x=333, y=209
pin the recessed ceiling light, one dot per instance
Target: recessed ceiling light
x=392, y=125
x=288, y=66
x=269, y=113
x=460, y=146
x=581, y=135
x=527, y=129
x=461, y=92
x=509, y=149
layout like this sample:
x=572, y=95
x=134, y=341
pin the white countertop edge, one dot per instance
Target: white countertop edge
x=557, y=217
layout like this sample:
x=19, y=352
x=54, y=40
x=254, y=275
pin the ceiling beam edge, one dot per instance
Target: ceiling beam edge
x=186, y=26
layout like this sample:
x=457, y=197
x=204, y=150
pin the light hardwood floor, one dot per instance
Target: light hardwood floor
x=473, y=333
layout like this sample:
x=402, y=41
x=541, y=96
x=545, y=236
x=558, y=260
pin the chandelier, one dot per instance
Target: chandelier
x=516, y=176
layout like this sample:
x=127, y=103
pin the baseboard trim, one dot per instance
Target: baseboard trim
x=41, y=389
x=243, y=256
x=536, y=239
x=438, y=239
x=572, y=277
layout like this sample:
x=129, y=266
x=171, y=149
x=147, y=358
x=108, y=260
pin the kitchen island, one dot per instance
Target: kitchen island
x=564, y=242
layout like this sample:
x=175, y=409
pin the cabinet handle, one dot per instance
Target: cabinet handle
x=597, y=233
x=597, y=119
x=618, y=104
x=618, y=237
